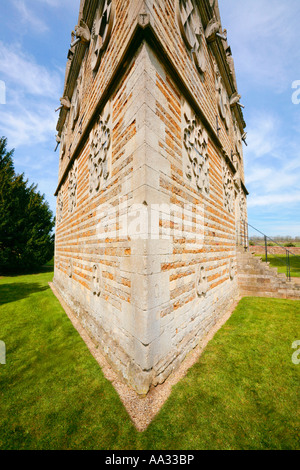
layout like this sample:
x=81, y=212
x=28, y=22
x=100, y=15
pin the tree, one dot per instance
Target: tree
x=26, y=221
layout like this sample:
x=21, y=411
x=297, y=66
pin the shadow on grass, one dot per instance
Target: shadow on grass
x=18, y=291
x=40, y=270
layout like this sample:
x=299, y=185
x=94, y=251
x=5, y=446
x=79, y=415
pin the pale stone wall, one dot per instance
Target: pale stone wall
x=149, y=199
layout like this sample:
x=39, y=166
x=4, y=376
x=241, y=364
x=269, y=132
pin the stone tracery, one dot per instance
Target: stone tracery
x=101, y=32
x=228, y=187
x=96, y=280
x=195, y=142
x=100, y=149
x=60, y=206
x=72, y=188
x=192, y=31
x=201, y=282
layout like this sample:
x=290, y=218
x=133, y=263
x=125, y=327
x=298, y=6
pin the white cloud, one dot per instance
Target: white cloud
x=26, y=126
x=274, y=200
x=32, y=92
x=29, y=18
x=262, y=34
x=264, y=136
x=23, y=73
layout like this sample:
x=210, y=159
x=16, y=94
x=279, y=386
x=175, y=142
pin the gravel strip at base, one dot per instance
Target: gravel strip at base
x=142, y=410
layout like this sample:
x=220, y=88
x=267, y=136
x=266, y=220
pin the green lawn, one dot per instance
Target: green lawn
x=242, y=394
x=279, y=261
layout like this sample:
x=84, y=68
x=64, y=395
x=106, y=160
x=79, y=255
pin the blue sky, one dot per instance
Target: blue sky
x=263, y=34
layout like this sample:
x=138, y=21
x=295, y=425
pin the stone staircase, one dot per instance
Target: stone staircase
x=258, y=279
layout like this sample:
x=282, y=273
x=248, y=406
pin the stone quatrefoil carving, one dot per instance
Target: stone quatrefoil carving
x=195, y=142
x=231, y=269
x=242, y=205
x=228, y=187
x=70, y=268
x=76, y=102
x=100, y=149
x=192, y=32
x=201, y=282
x=222, y=98
x=63, y=140
x=101, y=31
x=72, y=188
x=96, y=280
x=238, y=139
x=60, y=207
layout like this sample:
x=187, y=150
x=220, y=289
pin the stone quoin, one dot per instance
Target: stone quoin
x=151, y=186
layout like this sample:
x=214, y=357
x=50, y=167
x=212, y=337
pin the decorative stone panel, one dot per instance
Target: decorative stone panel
x=231, y=269
x=192, y=32
x=242, y=205
x=100, y=152
x=202, y=285
x=195, y=152
x=222, y=98
x=238, y=139
x=76, y=101
x=64, y=139
x=70, y=268
x=228, y=188
x=96, y=280
x=101, y=31
x=72, y=188
x=60, y=206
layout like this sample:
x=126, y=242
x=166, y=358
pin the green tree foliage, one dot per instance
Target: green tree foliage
x=26, y=221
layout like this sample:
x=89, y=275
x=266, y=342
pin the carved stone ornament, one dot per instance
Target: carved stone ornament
x=242, y=205
x=192, y=32
x=76, y=101
x=82, y=31
x=228, y=187
x=96, y=280
x=238, y=139
x=65, y=102
x=70, y=268
x=231, y=270
x=100, y=154
x=60, y=207
x=212, y=29
x=222, y=98
x=72, y=188
x=101, y=31
x=64, y=138
x=63, y=143
x=196, y=158
x=201, y=282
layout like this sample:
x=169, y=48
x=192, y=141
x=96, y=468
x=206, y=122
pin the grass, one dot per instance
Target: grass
x=242, y=394
x=279, y=261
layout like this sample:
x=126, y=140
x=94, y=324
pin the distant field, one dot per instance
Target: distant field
x=262, y=243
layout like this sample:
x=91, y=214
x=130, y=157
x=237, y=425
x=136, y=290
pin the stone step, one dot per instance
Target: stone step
x=258, y=278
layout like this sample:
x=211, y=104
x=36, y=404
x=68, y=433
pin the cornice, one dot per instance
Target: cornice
x=87, y=13
x=219, y=51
